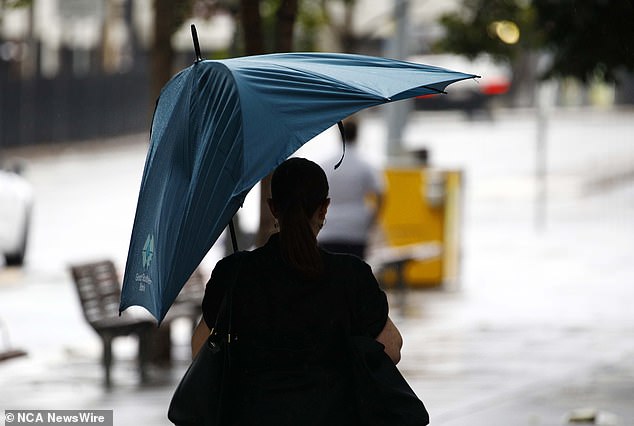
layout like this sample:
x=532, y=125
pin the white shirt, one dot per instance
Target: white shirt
x=349, y=215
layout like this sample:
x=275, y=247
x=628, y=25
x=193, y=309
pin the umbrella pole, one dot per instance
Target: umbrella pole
x=234, y=240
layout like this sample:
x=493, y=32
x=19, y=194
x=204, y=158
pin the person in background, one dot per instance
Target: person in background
x=293, y=305
x=356, y=198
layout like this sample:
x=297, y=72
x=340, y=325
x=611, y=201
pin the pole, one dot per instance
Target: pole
x=541, y=158
x=397, y=112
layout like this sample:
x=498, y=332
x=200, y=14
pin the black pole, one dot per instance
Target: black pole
x=196, y=44
x=234, y=240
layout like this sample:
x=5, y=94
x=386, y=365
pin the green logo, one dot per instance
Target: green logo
x=148, y=251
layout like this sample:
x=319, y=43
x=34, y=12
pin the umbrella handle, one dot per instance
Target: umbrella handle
x=196, y=44
x=343, y=140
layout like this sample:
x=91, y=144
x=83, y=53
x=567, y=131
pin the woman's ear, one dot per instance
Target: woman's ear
x=323, y=210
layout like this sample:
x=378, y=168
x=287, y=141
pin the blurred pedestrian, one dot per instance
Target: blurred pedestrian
x=356, y=197
x=291, y=306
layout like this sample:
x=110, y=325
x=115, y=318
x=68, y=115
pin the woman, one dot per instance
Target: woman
x=293, y=305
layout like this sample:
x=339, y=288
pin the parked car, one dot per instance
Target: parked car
x=469, y=96
x=16, y=204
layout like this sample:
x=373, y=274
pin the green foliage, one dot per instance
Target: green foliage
x=585, y=39
x=13, y=4
x=268, y=11
x=588, y=39
x=18, y=3
x=310, y=18
x=470, y=31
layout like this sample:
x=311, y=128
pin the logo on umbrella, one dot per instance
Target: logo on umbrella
x=148, y=251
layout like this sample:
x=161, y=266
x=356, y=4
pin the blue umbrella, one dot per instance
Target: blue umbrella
x=221, y=126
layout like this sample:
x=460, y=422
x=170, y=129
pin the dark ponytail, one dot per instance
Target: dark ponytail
x=298, y=188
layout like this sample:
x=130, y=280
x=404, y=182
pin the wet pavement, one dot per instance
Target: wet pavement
x=541, y=324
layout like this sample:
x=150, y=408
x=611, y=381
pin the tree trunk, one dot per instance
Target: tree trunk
x=251, y=21
x=254, y=45
x=169, y=15
x=348, y=39
x=343, y=30
x=286, y=14
x=162, y=52
x=252, y=27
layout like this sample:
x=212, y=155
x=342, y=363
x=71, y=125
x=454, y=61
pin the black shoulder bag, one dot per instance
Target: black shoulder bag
x=198, y=399
x=382, y=395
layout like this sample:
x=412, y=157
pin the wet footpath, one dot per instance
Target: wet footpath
x=539, y=330
x=473, y=361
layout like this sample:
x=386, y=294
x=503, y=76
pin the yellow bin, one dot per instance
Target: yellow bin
x=423, y=207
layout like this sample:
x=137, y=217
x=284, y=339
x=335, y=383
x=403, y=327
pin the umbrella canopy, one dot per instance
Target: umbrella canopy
x=221, y=126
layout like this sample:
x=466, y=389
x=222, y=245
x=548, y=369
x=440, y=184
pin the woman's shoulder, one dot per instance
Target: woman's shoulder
x=232, y=261
x=343, y=261
x=238, y=256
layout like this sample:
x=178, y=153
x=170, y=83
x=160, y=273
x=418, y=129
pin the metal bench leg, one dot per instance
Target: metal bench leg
x=162, y=346
x=143, y=354
x=107, y=359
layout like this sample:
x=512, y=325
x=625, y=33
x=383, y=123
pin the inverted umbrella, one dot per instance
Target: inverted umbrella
x=221, y=126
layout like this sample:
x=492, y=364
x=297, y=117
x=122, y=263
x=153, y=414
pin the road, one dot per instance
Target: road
x=541, y=324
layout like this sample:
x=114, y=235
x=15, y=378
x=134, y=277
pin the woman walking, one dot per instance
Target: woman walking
x=293, y=304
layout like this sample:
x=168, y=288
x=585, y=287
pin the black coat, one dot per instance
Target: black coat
x=289, y=364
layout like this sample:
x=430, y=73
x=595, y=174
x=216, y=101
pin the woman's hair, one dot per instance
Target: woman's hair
x=298, y=188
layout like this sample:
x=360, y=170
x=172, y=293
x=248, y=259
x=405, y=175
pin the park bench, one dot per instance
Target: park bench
x=6, y=351
x=99, y=291
x=396, y=258
x=188, y=306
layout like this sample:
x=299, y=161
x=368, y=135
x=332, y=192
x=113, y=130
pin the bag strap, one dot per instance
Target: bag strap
x=226, y=307
x=227, y=298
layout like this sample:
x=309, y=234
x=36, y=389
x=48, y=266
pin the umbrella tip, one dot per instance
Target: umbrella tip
x=196, y=44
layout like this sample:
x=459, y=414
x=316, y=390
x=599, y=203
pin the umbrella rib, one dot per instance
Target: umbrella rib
x=337, y=82
x=349, y=86
x=434, y=90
